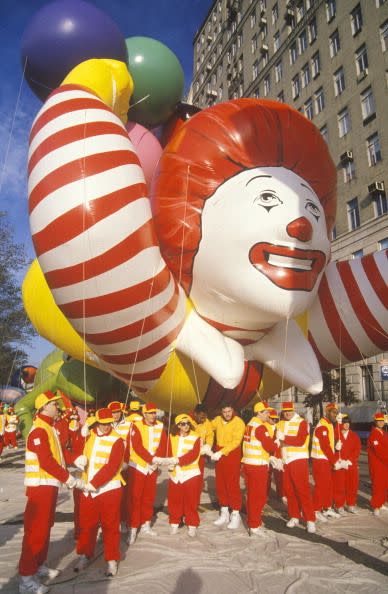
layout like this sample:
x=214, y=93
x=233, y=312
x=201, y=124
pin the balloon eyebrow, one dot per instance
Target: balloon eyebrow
x=305, y=186
x=256, y=177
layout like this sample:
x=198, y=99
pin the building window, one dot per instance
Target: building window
x=313, y=30
x=220, y=93
x=278, y=71
x=353, y=214
x=219, y=71
x=334, y=44
x=256, y=94
x=379, y=3
x=315, y=65
x=253, y=19
x=349, y=171
x=343, y=122
x=319, y=100
x=276, y=41
x=306, y=76
x=299, y=12
x=293, y=53
x=384, y=36
x=324, y=133
x=373, y=149
x=267, y=86
x=380, y=203
x=334, y=233
x=339, y=81
x=356, y=20
x=367, y=382
x=234, y=49
x=361, y=60
x=255, y=70
x=275, y=13
x=239, y=40
x=368, y=107
x=303, y=42
x=383, y=244
x=280, y=97
x=358, y=254
x=308, y=109
x=240, y=64
x=295, y=87
x=254, y=44
x=330, y=10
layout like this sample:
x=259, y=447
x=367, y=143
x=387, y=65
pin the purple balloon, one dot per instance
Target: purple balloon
x=63, y=34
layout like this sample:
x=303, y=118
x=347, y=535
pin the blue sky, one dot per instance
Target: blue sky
x=173, y=22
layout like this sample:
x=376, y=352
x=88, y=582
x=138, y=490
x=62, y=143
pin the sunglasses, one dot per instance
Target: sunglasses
x=183, y=423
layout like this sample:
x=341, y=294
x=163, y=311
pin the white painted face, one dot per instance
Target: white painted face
x=263, y=249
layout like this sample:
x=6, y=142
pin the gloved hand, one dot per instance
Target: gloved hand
x=216, y=456
x=346, y=464
x=206, y=450
x=81, y=462
x=153, y=467
x=338, y=465
x=279, y=435
x=71, y=482
x=173, y=461
x=89, y=488
x=276, y=463
x=338, y=446
x=85, y=431
x=157, y=460
x=277, y=441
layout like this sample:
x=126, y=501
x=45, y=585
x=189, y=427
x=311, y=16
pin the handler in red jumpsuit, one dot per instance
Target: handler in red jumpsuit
x=2, y=428
x=258, y=446
x=11, y=428
x=45, y=471
x=99, y=503
x=147, y=445
x=185, y=476
x=293, y=434
x=348, y=449
x=324, y=464
x=377, y=448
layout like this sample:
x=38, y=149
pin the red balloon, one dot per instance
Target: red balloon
x=183, y=112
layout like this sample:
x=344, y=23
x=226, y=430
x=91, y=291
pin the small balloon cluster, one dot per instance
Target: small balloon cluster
x=65, y=33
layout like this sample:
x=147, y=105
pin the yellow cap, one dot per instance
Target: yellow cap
x=260, y=407
x=134, y=405
x=183, y=417
x=44, y=398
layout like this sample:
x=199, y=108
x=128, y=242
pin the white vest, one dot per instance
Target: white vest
x=291, y=453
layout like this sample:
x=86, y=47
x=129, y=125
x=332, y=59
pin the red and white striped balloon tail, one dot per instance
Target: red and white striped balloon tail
x=349, y=318
x=92, y=228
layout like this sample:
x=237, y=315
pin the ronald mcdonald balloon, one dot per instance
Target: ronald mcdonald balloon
x=218, y=285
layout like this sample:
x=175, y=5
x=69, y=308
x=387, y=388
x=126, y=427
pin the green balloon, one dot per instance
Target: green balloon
x=158, y=81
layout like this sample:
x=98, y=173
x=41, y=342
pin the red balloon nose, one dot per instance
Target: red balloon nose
x=300, y=229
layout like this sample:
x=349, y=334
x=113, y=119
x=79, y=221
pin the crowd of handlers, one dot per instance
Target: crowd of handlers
x=115, y=458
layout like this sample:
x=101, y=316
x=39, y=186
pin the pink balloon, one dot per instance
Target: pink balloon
x=148, y=148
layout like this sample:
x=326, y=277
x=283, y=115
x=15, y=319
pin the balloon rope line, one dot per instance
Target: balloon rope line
x=284, y=359
x=17, y=352
x=140, y=101
x=196, y=381
x=83, y=263
x=379, y=393
x=12, y=126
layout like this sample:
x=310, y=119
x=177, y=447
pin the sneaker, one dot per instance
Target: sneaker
x=260, y=531
x=311, y=528
x=292, y=522
x=132, y=533
x=28, y=584
x=320, y=517
x=174, y=528
x=47, y=572
x=224, y=517
x=82, y=563
x=341, y=511
x=351, y=509
x=235, y=520
x=111, y=568
x=330, y=513
x=192, y=531
x=147, y=530
x=376, y=511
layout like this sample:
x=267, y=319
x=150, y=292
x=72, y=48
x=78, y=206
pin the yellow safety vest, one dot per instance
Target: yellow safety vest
x=12, y=422
x=122, y=428
x=253, y=451
x=35, y=476
x=150, y=436
x=205, y=432
x=181, y=445
x=133, y=417
x=2, y=424
x=97, y=450
x=316, y=451
x=291, y=428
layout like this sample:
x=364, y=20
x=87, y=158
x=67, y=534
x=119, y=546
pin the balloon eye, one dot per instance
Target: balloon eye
x=313, y=209
x=268, y=200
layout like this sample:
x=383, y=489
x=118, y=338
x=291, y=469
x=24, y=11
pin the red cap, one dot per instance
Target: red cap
x=287, y=406
x=115, y=406
x=149, y=407
x=104, y=415
x=273, y=414
x=379, y=416
x=331, y=406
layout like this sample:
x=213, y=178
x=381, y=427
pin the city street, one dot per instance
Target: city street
x=346, y=555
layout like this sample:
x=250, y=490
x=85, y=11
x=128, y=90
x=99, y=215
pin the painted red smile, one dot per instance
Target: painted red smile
x=288, y=268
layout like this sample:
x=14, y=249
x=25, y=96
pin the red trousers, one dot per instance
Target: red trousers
x=256, y=480
x=379, y=488
x=346, y=486
x=38, y=520
x=1, y=444
x=76, y=498
x=124, y=497
x=201, y=463
x=297, y=490
x=323, y=484
x=141, y=491
x=10, y=439
x=278, y=478
x=183, y=501
x=104, y=511
x=228, y=480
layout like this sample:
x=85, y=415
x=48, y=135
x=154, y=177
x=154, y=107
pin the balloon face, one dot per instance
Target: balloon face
x=61, y=35
x=263, y=249
x=158, y=81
